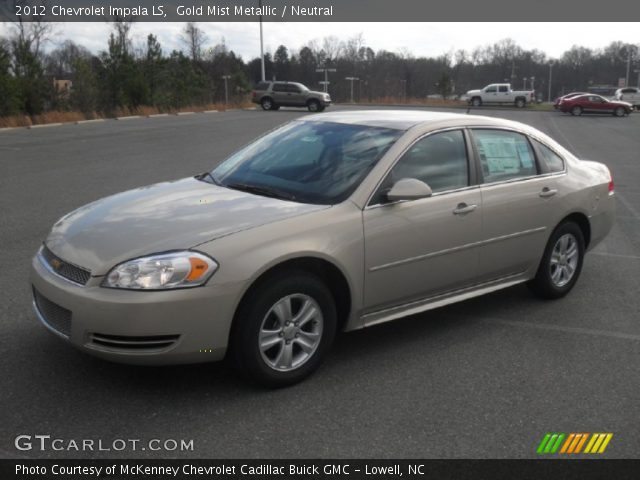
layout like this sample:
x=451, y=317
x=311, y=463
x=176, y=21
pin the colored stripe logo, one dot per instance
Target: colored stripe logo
x=573, y=443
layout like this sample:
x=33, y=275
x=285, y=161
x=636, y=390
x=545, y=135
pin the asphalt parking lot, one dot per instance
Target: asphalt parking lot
x=486, y=378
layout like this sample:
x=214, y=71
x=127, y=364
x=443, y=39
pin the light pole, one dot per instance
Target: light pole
x=550, y=70
x=533, y=79
x=637, y=70
x=352, y=79
x=226, y=88
x=261, y=42
x=525, y=83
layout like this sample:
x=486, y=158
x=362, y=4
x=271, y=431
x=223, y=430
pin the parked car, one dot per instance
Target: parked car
x=500, y=93
x=594, y=104
x=331, y=222
x=629, y=94
x=556, y=102
x=273, y=95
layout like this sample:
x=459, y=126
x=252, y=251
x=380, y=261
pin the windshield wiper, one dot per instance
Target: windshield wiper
x=202, y=176
x=262, y=190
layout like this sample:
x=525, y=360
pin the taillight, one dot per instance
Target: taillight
x=612, y=187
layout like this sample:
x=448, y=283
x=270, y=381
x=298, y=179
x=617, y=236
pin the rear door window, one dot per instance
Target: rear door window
x=279, y=87
x=504, y=155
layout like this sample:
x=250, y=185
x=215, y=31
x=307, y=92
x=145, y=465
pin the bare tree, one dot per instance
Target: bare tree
x=193, y=38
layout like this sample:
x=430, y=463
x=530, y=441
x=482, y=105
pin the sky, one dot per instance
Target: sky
x=421, y=39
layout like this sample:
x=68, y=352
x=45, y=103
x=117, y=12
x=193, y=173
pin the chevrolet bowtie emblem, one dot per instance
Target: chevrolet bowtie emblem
x=55, y=263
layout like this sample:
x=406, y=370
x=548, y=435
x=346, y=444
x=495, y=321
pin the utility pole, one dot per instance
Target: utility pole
x=533, y=79
x=524, y=87
x=226, y=88
x=352, y=79
x=326, y=76
x=550, y=70
x=261, y=42
x=626, y=83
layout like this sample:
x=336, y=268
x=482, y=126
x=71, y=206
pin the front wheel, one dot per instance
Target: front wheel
x=476, y=102
x=619, y=112
x=313, y=106
x=561, y=263
x=285, y=327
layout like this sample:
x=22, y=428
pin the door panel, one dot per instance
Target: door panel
x=420, y=248
x=515, y=225
x=516, y=202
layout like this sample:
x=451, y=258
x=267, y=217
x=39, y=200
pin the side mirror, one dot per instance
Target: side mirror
x=408, y=189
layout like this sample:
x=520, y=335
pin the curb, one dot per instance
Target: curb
x=210, y=111
x=45, y=125
x=95, y=120
x=470, y=108
x=180, y=114
x=156, y=115
x=128, y=118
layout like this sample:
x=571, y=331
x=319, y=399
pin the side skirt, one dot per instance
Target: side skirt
x=429, y=303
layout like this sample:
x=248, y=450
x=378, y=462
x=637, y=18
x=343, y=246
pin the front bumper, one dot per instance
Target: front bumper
x=150, y=328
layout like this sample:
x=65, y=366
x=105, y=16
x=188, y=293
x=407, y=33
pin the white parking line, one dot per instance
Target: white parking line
x=619, y=255
x=560, y=328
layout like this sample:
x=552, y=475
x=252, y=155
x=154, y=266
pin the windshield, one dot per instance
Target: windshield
x=308, y=162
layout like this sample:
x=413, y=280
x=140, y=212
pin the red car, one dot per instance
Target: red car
x=557, y=101
x=594, y=104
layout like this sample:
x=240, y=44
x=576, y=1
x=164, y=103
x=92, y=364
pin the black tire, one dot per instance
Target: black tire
x=576, y=111
x=321, y=109
x=267, y=103
x=314, y=106
x=620, y=112
x=256, y=310
x=476, y=101
x=521, y=102
x=544, y=285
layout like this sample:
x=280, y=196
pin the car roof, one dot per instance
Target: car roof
x=404, y=119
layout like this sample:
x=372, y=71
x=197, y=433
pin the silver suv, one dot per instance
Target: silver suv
x=273, y=95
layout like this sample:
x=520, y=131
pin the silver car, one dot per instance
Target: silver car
x=331, y=222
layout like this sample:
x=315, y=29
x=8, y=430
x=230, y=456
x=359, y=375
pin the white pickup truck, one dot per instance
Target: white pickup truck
x=500, y=93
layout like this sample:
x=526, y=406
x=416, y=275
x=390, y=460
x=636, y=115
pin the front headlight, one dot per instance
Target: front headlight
x=162, y=271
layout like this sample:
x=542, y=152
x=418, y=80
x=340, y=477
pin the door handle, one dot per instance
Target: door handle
x=463, y=208
x=548, y=192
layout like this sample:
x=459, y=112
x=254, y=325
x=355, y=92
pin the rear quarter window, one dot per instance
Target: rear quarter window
x=554, y=163
x=262, y=86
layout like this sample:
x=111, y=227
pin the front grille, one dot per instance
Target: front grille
x=118, y=342
x=65, y=269
x=55, y=316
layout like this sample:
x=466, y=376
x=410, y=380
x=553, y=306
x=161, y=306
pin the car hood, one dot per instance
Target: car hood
x=314, y=92
x=473, y=92
x=167, y=216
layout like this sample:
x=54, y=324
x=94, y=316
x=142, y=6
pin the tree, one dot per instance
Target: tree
x=8, y=89
x=193, y=38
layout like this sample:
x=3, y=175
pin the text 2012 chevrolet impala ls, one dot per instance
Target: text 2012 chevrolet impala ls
x=334, y=221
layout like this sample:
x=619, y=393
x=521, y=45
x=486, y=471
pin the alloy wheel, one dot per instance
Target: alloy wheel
x=290, y=332
x=564, y=260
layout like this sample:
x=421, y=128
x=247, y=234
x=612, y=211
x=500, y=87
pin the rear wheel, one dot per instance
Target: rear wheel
x=561, y=263
x=267, y=104
x=619, y=112
x=520, y=102
x=577, y=111
x=285, y=328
